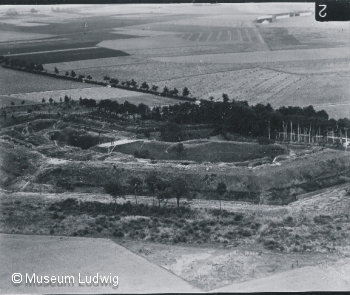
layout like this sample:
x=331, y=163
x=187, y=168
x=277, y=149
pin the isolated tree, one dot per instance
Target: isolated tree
x=133, y=83
x=165, y=90
x=40, y=67
x=171, y=132
x=135, y=184
x=12, y=103
x=66, y=73
x=43, y=100
x=50, y=100
x=154, y=87
x=179, y=148
x=106, y=78
x=72, y=73
x=143, y=110
x=60, y=99
x=179, y=189
x=114, y=81
x=88, y=77
x=225, y=97
x=147, y=134
x=211, y=98
x=174, y=92
x=115, y=189
x=144, y=85
x=157, y=186
x=23, y=102
x=56, y=71
x=81, y=77
x=66, y=99
x=221, y=190
x=185, y=92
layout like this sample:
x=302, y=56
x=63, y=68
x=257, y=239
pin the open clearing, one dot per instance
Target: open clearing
x=203, y=151
x=67, y=256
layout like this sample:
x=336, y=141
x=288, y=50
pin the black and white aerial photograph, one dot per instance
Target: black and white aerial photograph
x=173, y=148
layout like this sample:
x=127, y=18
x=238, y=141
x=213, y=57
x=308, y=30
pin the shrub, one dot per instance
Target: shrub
x=118, y=234
x=207, y=229
x=322, y=219
x=238, y=217
x=143, y=154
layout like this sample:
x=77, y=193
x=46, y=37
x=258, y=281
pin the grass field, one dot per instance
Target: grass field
x=96, y=93
x=69, y=55
x=15, y=82
x=204, y=151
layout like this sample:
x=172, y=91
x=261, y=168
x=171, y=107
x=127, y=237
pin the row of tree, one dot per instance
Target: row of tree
x=161, y=187
x=112, y=82
x=231, y=116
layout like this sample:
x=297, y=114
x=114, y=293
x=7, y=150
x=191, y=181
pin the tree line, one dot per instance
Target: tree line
x=22, y=65
x=163, y=188
x=229, y=116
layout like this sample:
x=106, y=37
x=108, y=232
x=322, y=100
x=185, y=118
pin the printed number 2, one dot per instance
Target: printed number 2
x=322, y=10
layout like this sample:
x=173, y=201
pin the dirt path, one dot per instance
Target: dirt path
x=67, y=256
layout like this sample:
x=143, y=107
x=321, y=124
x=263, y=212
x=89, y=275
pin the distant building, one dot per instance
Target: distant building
x=264, y=19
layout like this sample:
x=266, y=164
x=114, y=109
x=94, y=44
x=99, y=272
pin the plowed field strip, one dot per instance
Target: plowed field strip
x=203, y=37
x=252, y=35
x=224, y=36
x=244, y=35
x=218, y=37
x=200, y=35
x=194, y=37
x=239, y=35
x=186, y=36
x=210, y=34
x=214, y=36
x=229, y=35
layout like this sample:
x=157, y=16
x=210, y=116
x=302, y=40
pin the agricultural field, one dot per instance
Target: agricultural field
x=65, y=55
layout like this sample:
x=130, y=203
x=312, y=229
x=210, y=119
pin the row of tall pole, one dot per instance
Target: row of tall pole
x=308, y=135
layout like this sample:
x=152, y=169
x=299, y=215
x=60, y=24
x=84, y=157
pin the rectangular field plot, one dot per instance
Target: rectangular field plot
x=12, y=81
x=99, y=93
x=70, y=55
x=213, y=36
x=94, y=63
x=204, y=37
